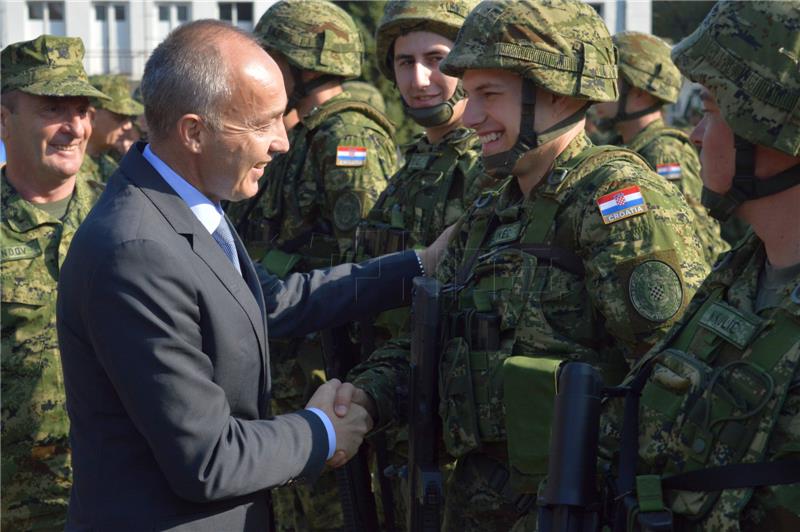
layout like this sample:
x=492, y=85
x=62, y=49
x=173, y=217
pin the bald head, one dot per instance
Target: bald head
x=193, y=71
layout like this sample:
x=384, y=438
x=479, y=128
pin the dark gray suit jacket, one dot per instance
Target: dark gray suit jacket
x=164, y=349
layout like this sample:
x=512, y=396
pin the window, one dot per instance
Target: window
x=237, y=13
x=163, y=13
x=183, y=13
x=99, y=12
x=170, y=16
x=597, y=7
x=45, y=17
x=109, y=44
x=119, y=13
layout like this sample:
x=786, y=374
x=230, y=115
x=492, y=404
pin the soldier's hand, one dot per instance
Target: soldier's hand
x=431, y=255
x=347, y=394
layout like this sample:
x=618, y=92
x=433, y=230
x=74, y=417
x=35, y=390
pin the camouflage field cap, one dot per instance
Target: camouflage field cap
x=645, y=63
x=402, y=16
x=748, y=55
x=313, y=35
x=47, y=66
x=116, y=88
x=562, y=46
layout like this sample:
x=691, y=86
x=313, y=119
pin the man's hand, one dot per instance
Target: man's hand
x=431, y=255
x=350, y=427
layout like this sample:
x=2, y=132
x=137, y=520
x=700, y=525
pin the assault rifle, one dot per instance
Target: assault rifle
x=424, y=478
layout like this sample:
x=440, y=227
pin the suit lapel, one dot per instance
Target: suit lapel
x=137, y=170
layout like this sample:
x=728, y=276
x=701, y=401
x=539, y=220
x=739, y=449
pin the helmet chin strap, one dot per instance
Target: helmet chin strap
x=746, y=186
x=607, y=124
x=302, y=89
x=500, y=165
x=438, y=114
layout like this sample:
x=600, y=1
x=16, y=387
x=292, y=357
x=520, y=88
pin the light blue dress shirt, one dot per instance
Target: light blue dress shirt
x=210, y=215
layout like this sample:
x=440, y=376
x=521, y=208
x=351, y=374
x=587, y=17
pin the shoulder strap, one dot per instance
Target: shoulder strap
x=644, y=139
x=317, y=118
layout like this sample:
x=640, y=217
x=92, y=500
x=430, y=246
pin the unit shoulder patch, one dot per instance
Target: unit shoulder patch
x=347, y=211
x=351, y=155
x=671, y=171
x=655, y=290
x=621, y=204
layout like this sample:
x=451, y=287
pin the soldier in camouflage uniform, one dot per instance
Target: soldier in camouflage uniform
x=365, y=92
x=313, y=197
x=442, y=174
x=584, y=254
x=648, y=81
x=46, y=126
x=113, y=120
x=723, y=387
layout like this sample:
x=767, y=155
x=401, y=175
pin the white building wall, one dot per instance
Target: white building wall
x=145, y=30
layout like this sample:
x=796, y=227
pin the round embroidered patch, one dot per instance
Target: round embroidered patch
x=347, y=211
x=655, y=290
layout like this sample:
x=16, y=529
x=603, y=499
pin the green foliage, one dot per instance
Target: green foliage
x=367, y=15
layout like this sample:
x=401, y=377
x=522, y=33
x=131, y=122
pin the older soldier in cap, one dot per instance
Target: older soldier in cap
x=716, y=445
x=113, y=121
x=46, y=125
x=585, y=253
x=648, y=81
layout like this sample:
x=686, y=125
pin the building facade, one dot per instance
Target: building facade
x=119, y=35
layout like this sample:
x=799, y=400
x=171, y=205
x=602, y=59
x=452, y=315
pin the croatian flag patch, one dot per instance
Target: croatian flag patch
x=351, y=155
x=621, y=204
x=669, y=170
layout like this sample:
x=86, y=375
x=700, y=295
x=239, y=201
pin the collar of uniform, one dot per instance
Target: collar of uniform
x=22, y=215
x=655, y=124
x=309, y=117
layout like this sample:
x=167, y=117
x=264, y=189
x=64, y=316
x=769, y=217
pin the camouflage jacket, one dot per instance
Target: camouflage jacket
x=750, y=410
x=98, y=168
x=670, y=152
x=35, y=454
x=571, y=286
x=433, y=189
x=341, y=157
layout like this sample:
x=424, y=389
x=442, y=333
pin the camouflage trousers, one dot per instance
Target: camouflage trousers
x=478, y=498
x=298, y=370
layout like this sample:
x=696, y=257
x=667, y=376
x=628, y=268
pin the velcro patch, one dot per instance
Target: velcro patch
x=621, y=204
x=351, y=155
x=655, y=291
x=22, y=251
x=671, y=171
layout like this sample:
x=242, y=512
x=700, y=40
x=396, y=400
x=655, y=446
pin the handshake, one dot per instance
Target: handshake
x=351, y=412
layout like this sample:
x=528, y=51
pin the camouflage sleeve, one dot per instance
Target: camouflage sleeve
x=354, y=165
x=643, y=262
x=679, y=163
x=384, y=375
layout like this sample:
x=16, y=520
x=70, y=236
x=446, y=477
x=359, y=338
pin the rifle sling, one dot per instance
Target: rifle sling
x=564, y=258
x=736, y=476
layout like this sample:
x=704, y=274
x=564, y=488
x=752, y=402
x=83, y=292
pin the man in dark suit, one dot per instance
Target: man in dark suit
x=162, y=318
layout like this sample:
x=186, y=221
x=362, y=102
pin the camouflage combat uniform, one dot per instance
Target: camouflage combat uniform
x=723, y=387
x=644, y=63
x=673, y=156
x=36, y=469
x=120, y=102
x=529, y=282
x=341, y=156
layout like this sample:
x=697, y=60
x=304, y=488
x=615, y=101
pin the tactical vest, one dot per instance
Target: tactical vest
x=715, y=392
x=500, y=279
x=314, y=247
x=410, y=213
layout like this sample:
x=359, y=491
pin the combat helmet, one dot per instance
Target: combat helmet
x=644, y=63
x=314, y=35
x=562, y=46
x=747, y=54
x=403, y=16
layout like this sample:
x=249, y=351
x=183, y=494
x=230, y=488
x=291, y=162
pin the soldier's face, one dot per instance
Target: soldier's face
x=416, y=68
x=714, y=137
x=109, y=129
x=233, y=158
x=47, y=135
x=494, y=107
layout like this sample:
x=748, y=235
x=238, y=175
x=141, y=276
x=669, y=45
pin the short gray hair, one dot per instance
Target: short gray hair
x=187, y=73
